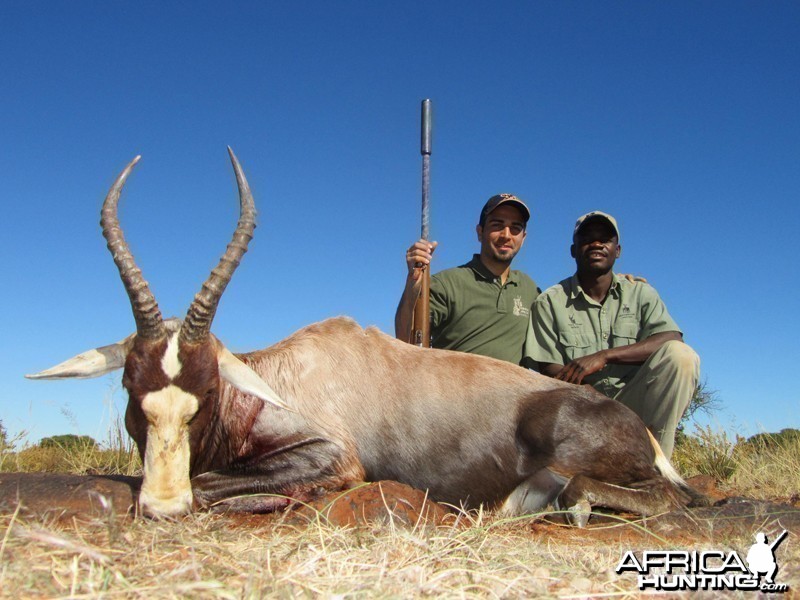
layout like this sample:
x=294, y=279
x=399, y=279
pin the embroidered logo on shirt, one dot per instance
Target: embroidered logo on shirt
x=520, y=310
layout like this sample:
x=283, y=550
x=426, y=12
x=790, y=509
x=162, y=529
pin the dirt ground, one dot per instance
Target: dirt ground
x=70, y=497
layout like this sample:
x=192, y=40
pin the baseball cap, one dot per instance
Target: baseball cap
x=495, y=201
x=595, y=214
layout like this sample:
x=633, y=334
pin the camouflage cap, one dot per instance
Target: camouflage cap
x=591, y=216
x=495, y=201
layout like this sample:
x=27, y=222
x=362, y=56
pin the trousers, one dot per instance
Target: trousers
x=661, y=390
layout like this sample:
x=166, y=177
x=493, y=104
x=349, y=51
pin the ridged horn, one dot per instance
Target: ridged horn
x=149, y=323
x=197, y=325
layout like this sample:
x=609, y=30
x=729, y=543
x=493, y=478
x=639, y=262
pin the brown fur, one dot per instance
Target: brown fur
x=467, y=428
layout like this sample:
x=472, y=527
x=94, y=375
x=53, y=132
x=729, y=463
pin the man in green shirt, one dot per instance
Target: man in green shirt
x=598, y=328
x=482, y=306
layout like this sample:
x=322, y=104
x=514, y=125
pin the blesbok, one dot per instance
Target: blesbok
x=335, y=404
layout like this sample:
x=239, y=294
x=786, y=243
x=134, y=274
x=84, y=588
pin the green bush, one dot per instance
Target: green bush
x=782, y=439
x=69, y=442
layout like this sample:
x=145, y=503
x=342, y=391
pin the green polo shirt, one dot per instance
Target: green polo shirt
x=471, y=311
x=567, y=324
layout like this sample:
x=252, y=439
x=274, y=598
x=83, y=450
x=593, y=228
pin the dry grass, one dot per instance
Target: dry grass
x=35, y=459
x=764, y=468
x=117, y=456
x=210, y=556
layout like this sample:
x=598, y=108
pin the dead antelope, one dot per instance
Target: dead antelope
x=336, y=404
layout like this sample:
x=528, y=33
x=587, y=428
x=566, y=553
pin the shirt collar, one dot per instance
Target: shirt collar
x=482, y=270
x=575, y=289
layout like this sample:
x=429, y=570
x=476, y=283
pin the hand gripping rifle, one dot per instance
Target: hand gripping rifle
x=421, y=328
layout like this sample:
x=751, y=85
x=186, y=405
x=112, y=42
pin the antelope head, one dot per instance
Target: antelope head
x=172, y=369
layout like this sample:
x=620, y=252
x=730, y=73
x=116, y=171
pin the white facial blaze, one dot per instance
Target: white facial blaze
x=166, y=489
x=170, y=361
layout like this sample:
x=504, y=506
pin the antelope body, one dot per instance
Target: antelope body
x=335, y=404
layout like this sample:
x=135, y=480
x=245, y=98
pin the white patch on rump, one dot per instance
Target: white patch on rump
x=170, y=361
x=166, y=487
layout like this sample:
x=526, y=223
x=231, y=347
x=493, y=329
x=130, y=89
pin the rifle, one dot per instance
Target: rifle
x=421, y=328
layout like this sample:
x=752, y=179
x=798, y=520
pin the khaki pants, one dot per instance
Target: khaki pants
x=661, y=390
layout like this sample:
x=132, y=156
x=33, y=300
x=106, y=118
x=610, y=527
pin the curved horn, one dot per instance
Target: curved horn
x=197, y=325
x=149, y=324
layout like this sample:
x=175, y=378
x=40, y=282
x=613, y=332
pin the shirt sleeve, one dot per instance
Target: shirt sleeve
x=439, y=302
x=541, y=341
x=653, y=316
x=536, y=291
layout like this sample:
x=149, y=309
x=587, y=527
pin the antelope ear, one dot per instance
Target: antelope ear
x=242, y=377
x=92, y=363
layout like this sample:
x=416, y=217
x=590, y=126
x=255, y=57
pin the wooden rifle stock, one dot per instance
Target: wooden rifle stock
x=421, y=329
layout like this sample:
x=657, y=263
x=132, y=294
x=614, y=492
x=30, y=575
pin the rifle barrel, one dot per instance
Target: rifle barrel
x=425, y=150
x=421, y=333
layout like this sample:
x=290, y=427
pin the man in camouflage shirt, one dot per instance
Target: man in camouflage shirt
x=601, y=329
x=482, y=306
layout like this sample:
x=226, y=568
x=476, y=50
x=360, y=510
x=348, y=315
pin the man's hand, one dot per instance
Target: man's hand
x=574, y=371
x=634, y=354
x=418, y=258
x=633, y=278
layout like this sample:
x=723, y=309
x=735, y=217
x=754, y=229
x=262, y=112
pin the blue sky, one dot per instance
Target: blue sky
x=679, y=118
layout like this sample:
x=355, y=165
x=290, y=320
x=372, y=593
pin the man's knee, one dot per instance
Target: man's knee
x=681, y=357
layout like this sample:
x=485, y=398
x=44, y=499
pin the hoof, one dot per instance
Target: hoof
x=578, y=514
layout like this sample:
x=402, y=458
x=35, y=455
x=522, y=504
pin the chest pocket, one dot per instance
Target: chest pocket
x=624, y=334
x=575, y=344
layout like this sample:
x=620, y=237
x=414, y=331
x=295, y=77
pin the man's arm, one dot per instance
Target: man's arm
x=418, y=254
x=541, y=341
x=550, y=369
x=633, y=354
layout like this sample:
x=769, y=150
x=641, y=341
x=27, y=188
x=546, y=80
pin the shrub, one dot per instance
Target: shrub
x=69, y=442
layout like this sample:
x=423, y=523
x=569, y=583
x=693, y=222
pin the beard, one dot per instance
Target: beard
x=503, y=256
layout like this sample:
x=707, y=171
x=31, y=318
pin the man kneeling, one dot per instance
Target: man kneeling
x=600, y=329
